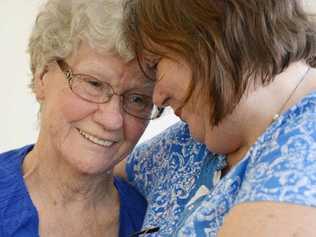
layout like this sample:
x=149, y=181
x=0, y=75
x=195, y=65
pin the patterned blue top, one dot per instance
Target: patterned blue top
x=185, y=195
x=19, y=217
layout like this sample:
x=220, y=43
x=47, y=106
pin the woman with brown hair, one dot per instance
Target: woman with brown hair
x=240, y=75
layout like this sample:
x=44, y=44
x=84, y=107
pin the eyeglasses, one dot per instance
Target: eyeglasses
x=93, y=90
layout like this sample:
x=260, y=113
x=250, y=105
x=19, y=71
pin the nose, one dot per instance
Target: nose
x=161, y=95
x=110, y=114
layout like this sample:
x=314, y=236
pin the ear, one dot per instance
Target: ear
x=39, y=84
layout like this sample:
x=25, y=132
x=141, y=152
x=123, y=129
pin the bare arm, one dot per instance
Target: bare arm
x=263, y=219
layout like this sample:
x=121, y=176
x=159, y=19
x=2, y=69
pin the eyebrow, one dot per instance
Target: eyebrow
x=91, y=69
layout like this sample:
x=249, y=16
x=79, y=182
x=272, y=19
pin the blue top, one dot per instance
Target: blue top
x=182, y=184
x=19, y=217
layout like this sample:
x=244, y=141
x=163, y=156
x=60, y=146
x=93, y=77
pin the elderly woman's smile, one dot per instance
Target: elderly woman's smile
x=96, y=140
x=91, y=136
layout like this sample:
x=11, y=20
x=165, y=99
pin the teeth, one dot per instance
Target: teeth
x=95, y=140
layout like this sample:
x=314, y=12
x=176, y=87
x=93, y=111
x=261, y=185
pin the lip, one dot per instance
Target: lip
x=104, y=142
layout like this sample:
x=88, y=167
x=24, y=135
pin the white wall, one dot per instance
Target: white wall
x=18, y=108
x=310, y=7
x=18, y=121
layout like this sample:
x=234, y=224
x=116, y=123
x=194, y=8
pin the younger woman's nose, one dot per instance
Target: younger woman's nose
x=161, y=94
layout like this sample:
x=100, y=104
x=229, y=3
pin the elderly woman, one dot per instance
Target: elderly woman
x=240, y=75
x=94, y=105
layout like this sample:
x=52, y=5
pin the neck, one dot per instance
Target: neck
x=254, y=119
x=51, y=176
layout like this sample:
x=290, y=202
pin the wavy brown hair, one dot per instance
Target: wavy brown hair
x=228, y=43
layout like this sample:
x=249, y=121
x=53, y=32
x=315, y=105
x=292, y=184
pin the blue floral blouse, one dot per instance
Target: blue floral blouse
x=181, y=179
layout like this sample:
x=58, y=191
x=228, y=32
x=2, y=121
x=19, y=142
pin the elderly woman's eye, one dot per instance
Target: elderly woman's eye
x=94, y=83
x=138, y=101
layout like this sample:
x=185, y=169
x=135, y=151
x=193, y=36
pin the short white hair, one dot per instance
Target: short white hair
x=62, y=24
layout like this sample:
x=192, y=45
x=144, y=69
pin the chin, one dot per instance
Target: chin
x=91, y=164
x=214, y=146
x=94, y=169
x=216, y=150
x=221, y=148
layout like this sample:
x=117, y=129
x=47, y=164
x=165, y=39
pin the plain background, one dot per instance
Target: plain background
x=18, y=121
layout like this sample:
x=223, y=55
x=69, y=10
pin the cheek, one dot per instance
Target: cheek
x=75, y=109
x=134, y=128
x=196, y=119
x=62, y=111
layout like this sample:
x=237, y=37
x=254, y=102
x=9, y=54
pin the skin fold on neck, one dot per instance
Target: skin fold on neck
x=61, y=194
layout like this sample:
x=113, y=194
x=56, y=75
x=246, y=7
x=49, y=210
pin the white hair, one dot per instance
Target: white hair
x=62, y=24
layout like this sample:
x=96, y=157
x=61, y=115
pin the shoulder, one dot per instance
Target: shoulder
x=14, y=156
x=130, y=199
x=282, y=165
x=291, y=142
x=132, y=207
x=263, y=218
x=10, y=165
x=17, y=213
x=279, y=183
x=169, y=146
x=129, y=196
x=10, y=168
x=166, y=159
x=175, y=134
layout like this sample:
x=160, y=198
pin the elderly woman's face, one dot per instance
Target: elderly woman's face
x=91, y=137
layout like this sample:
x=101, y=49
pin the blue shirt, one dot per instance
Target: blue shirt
x=181, y=181
x=19, y=217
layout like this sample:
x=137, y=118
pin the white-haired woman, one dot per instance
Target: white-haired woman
x=94, y=106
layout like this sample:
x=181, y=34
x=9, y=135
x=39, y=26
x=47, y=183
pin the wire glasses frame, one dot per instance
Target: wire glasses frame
x=96, y=91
